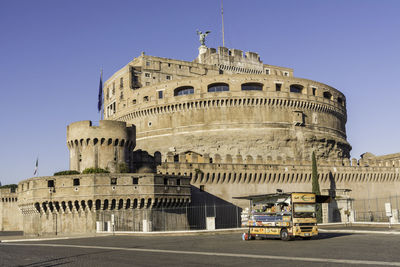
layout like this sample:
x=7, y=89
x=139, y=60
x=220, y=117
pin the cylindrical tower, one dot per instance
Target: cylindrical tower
x=281, y=117
x=108, y=146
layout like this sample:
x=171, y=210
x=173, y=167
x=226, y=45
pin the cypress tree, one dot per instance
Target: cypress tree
x=315, y=187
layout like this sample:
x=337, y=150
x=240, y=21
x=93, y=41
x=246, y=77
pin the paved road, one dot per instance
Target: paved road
x=216, y=250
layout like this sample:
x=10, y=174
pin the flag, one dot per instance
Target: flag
x=100, y=103
x=36, y=166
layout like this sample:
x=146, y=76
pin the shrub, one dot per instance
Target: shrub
x=69, y=172
x=123, y=168
x=94, y=170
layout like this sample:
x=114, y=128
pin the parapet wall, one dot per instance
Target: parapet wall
x=240, y=176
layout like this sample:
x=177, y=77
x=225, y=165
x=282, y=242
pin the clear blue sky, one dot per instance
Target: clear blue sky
x=51, y=53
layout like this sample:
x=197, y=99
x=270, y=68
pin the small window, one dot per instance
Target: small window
x=180, y=66
x=169, y=65
x=147, y=63
x=201, y=188
x=147, y=83
x=147, y=75
x=267, y=71
x=121, y=95
x=252, y=87
x=340, y=101
x=165, y=181
x=134, y=101
x=76, y=182
x=314, y=91
x=50, y=183
x=178, y=182
x=113, y=181
x=218, y=87
x=286, y=73
x=145, y=98
x=168, y=77
x=160, y=94
x=184, y=90
x=135, y=180
x=278, y=87
x=327, y=95
x=121, y=82
x=296, y=88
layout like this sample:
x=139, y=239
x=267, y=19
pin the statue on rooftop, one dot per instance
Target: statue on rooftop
x=202, y=36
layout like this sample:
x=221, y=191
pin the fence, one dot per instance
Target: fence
x=189, y=217
x=373, y=209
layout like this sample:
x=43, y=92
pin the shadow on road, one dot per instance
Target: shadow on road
x=331, y=235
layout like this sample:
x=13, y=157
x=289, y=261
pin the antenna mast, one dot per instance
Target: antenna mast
x=222, y=15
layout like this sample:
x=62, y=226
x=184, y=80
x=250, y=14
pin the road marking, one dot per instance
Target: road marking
x=203, y=253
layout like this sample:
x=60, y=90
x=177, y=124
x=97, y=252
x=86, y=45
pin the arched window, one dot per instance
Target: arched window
x=340, y=101
x=218, y=87
x=252, y=87
x=296, y=88
x=184, y=90
x=327, y=95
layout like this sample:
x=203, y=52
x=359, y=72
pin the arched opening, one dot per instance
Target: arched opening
x=37, y=206
x=218, y=87
x=113, y=204
x=296, y=88
x=90, y=204
x=120, y=204
x=184, y=90
x=252, y=87
x=105, y=204
x=98, y=204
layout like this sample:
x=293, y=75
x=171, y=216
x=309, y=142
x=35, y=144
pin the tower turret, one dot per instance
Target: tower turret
x=108, y=146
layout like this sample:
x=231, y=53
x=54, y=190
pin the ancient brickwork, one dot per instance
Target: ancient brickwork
x=246, y=107
x=237, y=176
x=73, y=204
x=10, y=215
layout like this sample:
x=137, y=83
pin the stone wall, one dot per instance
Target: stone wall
x=228, y=178
x=74, y=203
x=10, y=215
x=106, y=146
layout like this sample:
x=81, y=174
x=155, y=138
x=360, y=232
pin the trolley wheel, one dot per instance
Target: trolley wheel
x=285, y=235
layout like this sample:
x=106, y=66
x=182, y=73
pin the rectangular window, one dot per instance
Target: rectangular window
x=147, y=75
x=146, y=98
x=147, y=63
x=169, y=64
x=50, y=183
x=314, y=91
x=135, y=180
x=201, y=188
x=147, y=83
x=168, y=77
x=165, y=181
x=134, y=101
x=113, y=181
x=121, y=82
x=278, y=87
x=267, y=71
x=77, y=182
x=160, y=94
x=178, y=182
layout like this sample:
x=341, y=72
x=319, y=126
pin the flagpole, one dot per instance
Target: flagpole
x=102, y=95
x=222, y=15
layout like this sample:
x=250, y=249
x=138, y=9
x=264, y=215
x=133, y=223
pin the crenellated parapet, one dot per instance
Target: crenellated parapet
x=106, y=146
x=228, y=169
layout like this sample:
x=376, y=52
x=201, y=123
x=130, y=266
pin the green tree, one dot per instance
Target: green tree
x=315, y=186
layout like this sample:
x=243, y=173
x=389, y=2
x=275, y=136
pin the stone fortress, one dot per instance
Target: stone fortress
x=223, y=125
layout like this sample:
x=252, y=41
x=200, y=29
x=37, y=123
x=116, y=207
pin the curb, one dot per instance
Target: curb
x=359, y=232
